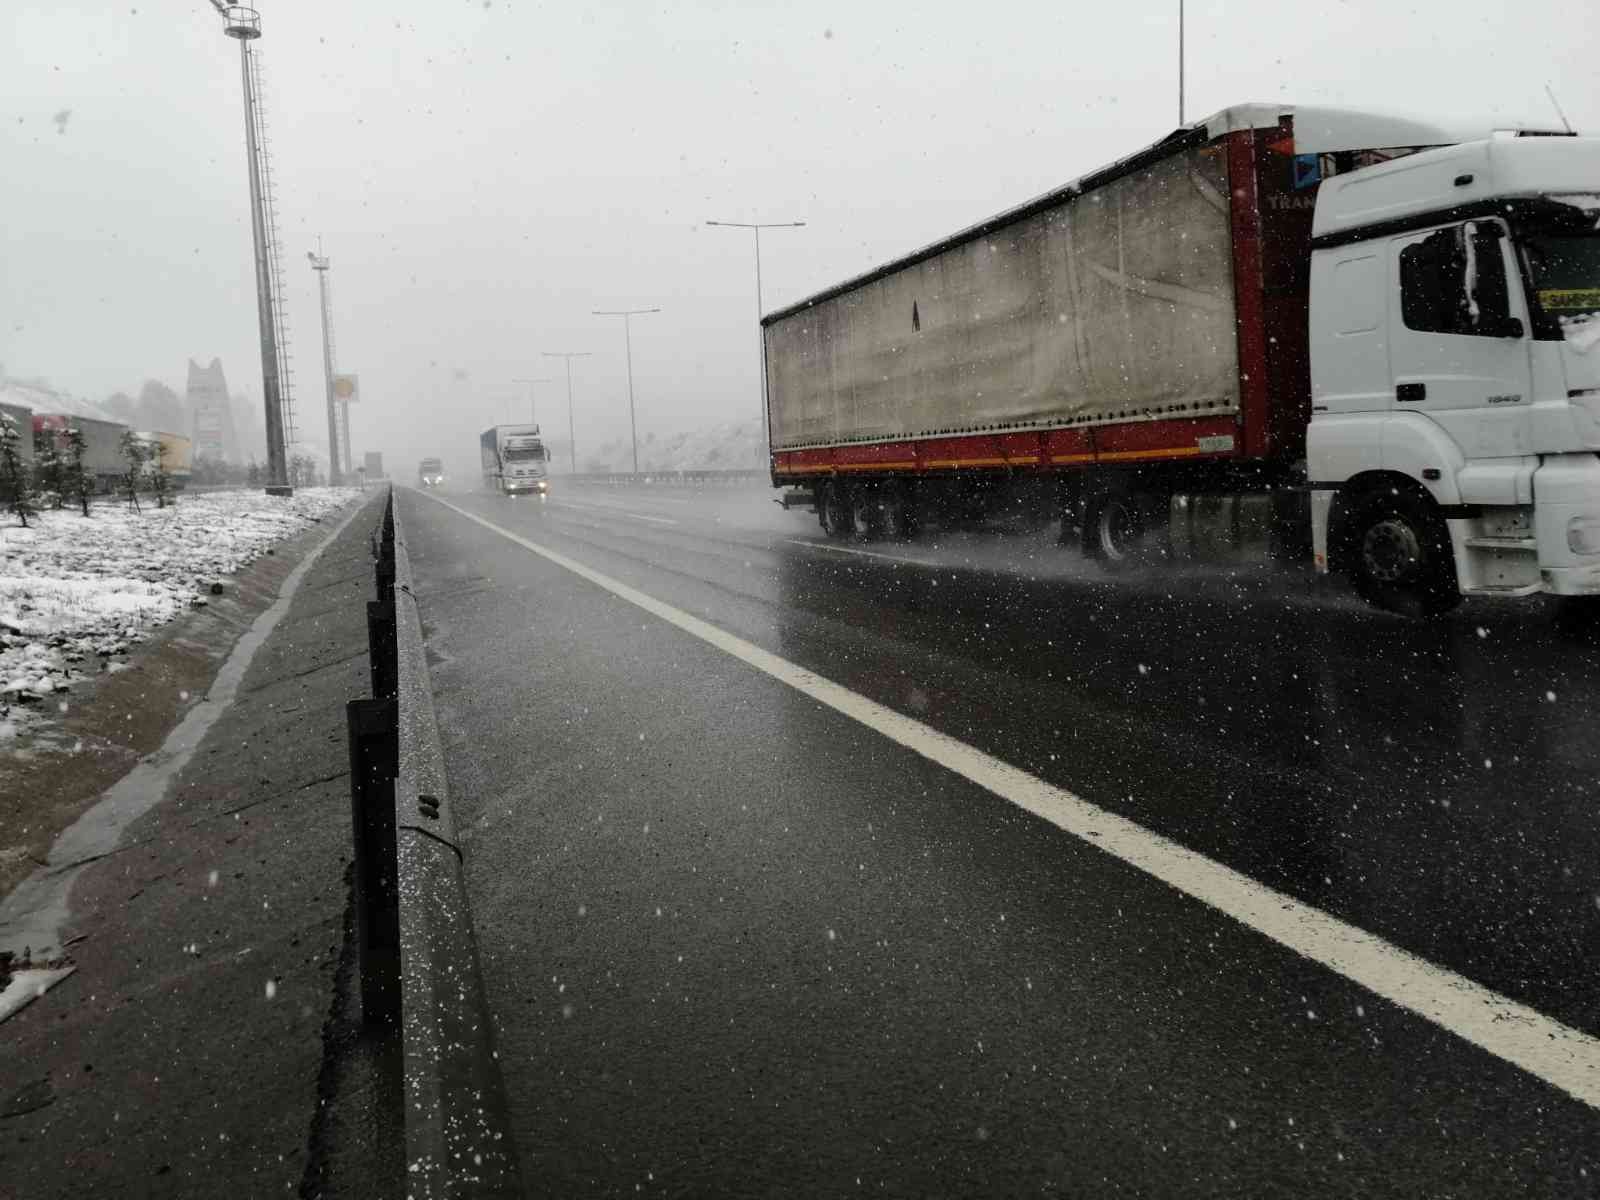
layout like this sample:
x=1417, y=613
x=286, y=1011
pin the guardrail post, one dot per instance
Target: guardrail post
x=373, y=727
x=382, y=650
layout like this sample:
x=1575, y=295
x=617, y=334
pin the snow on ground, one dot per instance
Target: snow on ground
x=76, y=594
x=731, y=445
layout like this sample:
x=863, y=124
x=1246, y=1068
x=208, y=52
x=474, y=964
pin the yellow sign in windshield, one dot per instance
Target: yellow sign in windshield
x=1567, y=299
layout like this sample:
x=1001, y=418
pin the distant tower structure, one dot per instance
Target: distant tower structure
x=243, y=23
x=212, y=413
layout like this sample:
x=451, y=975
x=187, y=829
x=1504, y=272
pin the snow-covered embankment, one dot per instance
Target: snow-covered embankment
x=76, y=593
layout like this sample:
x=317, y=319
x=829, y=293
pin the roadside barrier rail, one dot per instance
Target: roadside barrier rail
x=417, y=958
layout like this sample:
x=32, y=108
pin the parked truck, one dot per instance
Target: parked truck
x=514, y=458
x=1376, y=334
x=173, y=452
x=103, y=458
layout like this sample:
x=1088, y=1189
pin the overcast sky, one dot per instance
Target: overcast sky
x=485, y=173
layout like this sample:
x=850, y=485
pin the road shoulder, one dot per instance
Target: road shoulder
x=184, y=1055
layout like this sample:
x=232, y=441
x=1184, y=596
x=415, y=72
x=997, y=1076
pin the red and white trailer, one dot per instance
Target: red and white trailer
x=1120, y=345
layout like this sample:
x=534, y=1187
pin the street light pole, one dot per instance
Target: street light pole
x=627, y=316
x=320, y=264
x=1180, y=63
x=572, y=441
x=757, y=227
x=244, y=25
x=532, y=415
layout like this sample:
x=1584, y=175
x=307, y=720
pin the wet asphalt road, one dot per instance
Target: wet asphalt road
x=738, y=944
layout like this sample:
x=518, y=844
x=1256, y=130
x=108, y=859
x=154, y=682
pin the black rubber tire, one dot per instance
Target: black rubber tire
x=821, y=494
x=897, y=515
x=1123, y=530
x=866, y=522
x=1399, y=555
x=832, y=511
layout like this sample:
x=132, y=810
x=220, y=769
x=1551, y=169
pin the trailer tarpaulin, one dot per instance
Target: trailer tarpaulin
x=1112, y=305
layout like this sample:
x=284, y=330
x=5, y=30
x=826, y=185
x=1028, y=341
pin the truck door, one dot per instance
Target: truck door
x=1458, y=347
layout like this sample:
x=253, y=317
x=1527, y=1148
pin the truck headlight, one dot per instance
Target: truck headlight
x=1583, y=535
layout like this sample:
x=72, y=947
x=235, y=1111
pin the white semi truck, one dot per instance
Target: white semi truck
x=1381, y=332
x=514, y=460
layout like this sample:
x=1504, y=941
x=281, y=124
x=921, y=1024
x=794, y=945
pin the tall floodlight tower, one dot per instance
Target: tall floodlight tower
x=244, y=25
x=319, y=264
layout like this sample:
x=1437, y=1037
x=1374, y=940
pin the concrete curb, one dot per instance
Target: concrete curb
x=457, y=1125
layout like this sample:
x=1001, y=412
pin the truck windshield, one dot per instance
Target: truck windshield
x=1564, y=261
x=525, y=454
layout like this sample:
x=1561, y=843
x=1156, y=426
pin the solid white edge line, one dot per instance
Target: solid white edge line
x=1563, y=1057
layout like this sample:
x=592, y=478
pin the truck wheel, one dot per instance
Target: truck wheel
x=1400, y=556
x=831, y=510
x=898, y=514
x=1122, y=530
x=865, y=520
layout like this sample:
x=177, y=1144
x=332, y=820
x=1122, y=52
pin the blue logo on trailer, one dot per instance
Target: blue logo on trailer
x=1307, y=171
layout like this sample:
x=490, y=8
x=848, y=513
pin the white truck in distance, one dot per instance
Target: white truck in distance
x=1378, y=335
x=514, y=458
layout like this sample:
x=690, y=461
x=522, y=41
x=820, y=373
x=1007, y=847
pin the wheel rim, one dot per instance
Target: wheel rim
x=830, y=510
x=1390, y=550
x=836, y=515
x=1117, y=530
x=861, y=516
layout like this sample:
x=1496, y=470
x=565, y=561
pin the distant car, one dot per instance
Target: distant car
x=430, y=473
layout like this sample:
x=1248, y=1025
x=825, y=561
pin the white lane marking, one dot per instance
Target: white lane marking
x=609, y=511
x=895, y=558
x=1563, y=1057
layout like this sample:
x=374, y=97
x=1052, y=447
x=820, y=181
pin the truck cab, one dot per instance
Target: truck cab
x=1455, y=372
x=514, y=460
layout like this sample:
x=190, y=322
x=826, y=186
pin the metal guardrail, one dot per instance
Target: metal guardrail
x=630, y=478
x=418, y=961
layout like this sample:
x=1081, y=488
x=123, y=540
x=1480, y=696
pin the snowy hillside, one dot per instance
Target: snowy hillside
x=732, y=445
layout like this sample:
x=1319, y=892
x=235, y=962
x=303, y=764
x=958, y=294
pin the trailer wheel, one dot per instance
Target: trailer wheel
x=831, y=511
x=899, y=516
x=1399, y=554
x=865, y=519
x=1122, y=529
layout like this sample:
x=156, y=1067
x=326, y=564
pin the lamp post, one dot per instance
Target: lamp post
x=244, y=25
x=572, y=443
x=320, y=264
x=627, y=315
x=532, y=415
x=1180, y=62
x=756, y=227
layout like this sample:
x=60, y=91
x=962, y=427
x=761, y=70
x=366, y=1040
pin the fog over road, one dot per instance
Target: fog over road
x=832, y=867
